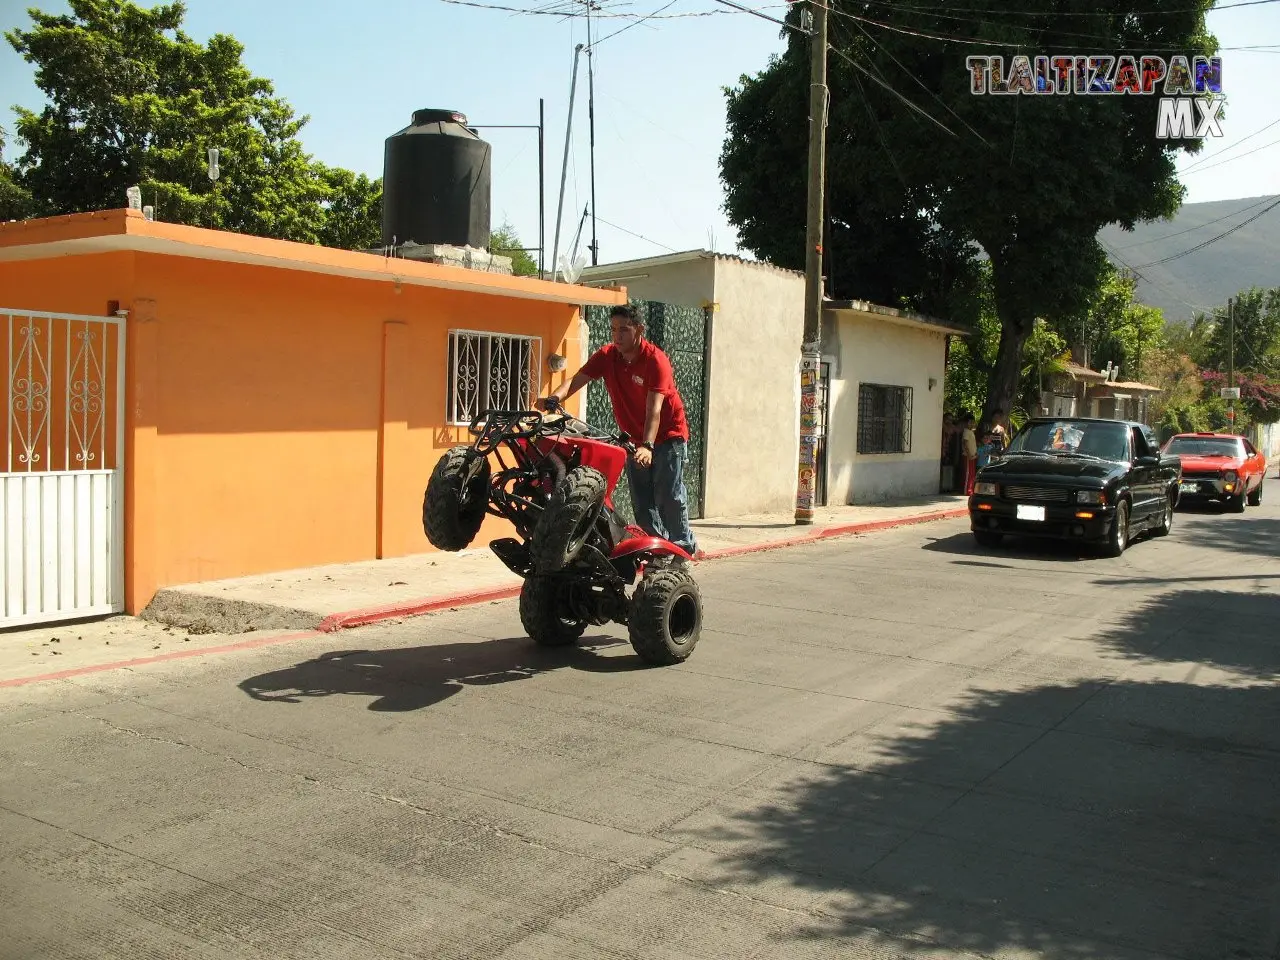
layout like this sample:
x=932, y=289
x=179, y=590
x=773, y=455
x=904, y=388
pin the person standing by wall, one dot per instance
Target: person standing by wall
x=646, y=405
x=969, y=453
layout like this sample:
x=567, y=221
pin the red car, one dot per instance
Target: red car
x=1219, y=466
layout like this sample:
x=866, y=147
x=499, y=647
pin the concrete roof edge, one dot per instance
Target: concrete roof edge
x=107, y=230
x=894, y=314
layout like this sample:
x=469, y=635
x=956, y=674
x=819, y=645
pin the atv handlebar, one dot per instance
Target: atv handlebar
x=525, y=424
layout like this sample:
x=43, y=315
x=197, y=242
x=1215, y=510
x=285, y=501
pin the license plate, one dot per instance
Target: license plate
x=1030, y=513
x=1190, y=487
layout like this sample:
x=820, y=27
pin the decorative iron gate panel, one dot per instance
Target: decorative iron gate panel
x=681, y=333
x=61, y=488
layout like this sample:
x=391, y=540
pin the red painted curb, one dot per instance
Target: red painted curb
x=839, y=530
x=160, y=657
x=412, y=608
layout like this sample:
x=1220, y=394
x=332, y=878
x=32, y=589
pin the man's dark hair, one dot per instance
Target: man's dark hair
x=629, y=313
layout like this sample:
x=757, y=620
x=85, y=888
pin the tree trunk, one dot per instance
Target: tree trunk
x=1002, y=385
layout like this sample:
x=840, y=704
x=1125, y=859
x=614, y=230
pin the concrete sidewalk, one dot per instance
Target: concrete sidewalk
x=355, y=594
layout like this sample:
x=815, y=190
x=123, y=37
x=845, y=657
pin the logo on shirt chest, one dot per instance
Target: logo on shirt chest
x=637, y=379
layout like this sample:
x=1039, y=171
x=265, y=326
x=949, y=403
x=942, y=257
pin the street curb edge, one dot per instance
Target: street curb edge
x=414, y=608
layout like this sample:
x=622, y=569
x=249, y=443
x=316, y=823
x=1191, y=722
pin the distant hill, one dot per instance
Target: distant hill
x=1206, y=278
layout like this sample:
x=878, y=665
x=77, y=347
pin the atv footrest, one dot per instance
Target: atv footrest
x=514, y=554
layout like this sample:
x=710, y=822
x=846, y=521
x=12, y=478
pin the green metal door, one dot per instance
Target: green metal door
x=681, y=333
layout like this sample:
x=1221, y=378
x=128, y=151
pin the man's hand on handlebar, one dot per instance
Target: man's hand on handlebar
x=550, y=404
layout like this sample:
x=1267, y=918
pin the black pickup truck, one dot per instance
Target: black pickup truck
x=1095, y=481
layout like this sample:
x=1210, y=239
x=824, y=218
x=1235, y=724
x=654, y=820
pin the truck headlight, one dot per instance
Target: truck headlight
x=984, y=489
x=1091, y=496
x=1231, y=476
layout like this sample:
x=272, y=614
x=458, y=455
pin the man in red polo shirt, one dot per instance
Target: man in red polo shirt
x=646, y=405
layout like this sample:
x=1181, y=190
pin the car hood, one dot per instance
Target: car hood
x=1210, y=464
x=1032, y=467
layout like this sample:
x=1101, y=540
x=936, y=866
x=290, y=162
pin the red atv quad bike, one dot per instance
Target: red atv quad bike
x=577, y=558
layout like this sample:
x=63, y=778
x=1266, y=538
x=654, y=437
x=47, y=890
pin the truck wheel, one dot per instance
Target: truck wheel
x=666, y=616
x=1166, y=521
x=988, y=538
x=456, y=499
x=1255, y=498
x=567, y=520
x=1118, y=536
x=1236, y=504
x=544, y=614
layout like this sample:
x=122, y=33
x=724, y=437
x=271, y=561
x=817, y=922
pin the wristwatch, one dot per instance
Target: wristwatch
x=647, y=445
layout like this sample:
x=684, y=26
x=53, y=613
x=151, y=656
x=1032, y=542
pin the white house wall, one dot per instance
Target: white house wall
x=753, y=414
x=687, y=283
x=880, y=351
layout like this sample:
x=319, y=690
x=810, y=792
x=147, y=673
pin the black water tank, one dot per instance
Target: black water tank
x=435, y=182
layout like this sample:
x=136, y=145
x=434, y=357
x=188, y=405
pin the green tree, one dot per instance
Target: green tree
x=132, y=100
x=1256, y=314
x=1031, y=180
x=504, y=242
x=1114, y=328
x=15, y=201
x=351, y=212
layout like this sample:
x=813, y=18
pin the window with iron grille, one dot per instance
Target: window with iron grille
x=490, y=371
x=884, y=418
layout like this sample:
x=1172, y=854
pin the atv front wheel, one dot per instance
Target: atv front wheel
x=456, y=499
x=566, y=522
x=545, y=615
x=666, y=616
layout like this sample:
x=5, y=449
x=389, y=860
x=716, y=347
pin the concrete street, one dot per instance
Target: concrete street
x=895, y=745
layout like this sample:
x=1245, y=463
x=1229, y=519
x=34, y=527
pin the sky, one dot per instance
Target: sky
x=360, y=71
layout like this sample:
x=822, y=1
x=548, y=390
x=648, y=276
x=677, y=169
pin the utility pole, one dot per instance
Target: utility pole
x=591, y=123
x=564, y=167
x=810, y=349
x=1231, y=362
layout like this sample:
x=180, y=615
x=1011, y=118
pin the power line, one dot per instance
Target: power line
x=1227, y=233
x=865, y=72
x=652, y=16
x=634, y=234
x=1201, y=226
x=974, y=41
x=1239, y=156
x=763, y=16
x=1233, y=146
x=922, y=86
x=1062, y=13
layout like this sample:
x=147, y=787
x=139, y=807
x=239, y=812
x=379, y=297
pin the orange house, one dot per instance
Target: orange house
x=189, y=404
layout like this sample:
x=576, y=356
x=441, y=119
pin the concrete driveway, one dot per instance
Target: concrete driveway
x=891, y=746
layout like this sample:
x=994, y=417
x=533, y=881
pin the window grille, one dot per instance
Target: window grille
x=490, y=371
x=884, y=418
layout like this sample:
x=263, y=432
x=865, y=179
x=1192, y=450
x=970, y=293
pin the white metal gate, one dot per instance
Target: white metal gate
x=62, y=487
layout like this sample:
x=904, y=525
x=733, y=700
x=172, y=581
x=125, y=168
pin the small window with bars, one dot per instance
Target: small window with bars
x=884, y=418
x=490, y=371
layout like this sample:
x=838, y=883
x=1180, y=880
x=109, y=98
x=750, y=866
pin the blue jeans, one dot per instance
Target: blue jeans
x=659, y=497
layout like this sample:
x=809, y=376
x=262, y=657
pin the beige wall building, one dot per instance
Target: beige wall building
x=753, y=383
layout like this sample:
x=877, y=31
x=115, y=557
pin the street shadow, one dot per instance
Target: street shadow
x=1092, y=820
x=1087, y=821
x=1233, y=630
x=1238, y=533
x=1022, y=548
x=411, y=678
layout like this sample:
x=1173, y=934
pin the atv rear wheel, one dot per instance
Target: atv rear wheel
x=456, y=499
x=545, y=615
x=666, y=616
x=566, y=521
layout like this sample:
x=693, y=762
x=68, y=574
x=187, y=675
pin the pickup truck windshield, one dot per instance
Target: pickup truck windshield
x=1105, y=441
x=1205, y=447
